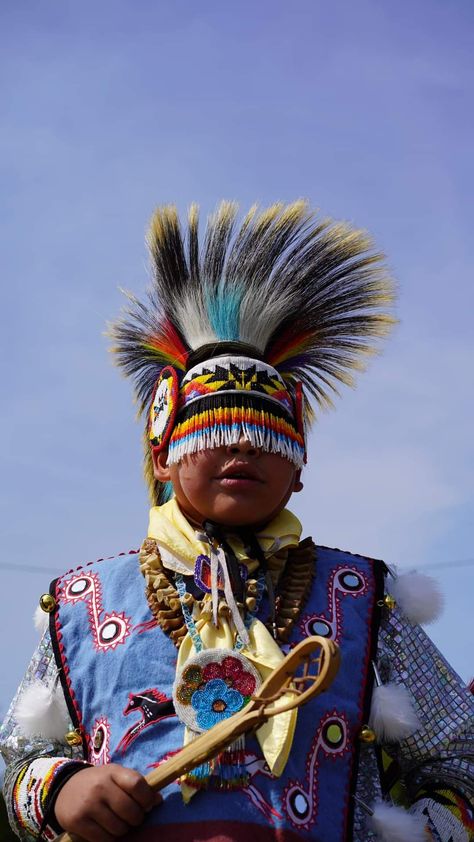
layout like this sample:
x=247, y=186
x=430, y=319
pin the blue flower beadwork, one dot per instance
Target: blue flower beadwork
x=215, y=702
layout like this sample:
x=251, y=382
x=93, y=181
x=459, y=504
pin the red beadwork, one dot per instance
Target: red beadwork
x=233, y=673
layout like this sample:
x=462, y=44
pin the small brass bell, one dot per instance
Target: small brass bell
x=73, y=738
x=389, y=602
x=366, y=735
x=47, y=603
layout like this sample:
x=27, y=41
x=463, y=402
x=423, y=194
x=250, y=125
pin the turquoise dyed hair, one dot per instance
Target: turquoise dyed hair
x=223, y=308
x=166, y=492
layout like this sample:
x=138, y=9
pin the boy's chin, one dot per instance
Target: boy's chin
x=235, y=522
x=235, y=517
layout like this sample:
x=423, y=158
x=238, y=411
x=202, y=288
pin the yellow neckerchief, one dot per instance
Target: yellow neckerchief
x=179, y=548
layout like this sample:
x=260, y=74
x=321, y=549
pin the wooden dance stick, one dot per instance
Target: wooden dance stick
x=283, y=690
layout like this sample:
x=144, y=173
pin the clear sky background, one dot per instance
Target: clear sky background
x=109, y=108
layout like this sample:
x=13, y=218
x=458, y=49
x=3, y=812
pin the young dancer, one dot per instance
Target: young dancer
x=243, y=337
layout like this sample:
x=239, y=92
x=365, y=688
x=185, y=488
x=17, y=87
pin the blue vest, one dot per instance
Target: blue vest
x=118, y=669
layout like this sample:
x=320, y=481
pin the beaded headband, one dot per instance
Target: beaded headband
x=220, y=400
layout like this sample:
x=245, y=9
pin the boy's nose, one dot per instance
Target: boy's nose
x=243, y=445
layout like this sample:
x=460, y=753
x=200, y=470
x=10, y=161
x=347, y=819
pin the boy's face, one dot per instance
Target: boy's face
x=234, y=485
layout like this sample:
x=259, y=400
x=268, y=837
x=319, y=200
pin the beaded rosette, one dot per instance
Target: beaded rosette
x=213, y=685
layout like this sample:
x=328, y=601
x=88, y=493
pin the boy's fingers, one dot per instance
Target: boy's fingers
x=135, y=785
x=110, y=821
x=89, y=831
x=125, y=807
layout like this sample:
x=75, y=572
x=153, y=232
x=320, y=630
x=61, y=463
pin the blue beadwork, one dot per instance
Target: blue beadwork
x=188, y=617
x=215, y=702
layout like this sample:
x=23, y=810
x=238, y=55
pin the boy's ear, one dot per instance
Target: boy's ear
x=160, y=465
x=298, y=485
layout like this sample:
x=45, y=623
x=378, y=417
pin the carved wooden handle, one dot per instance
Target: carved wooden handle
x=283, y=690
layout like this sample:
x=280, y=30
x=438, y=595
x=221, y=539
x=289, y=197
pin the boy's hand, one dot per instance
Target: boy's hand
x=100, y=803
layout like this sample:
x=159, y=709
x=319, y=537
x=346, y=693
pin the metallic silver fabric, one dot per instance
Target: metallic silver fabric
x=441, y=752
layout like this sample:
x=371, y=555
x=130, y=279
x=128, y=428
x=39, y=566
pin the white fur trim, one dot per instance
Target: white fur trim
x=393, y=824
x=41, y=712
x=41, y=620
x=418, y=596
x=392, y=715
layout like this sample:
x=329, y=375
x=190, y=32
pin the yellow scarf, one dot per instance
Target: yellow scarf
x=179, y=547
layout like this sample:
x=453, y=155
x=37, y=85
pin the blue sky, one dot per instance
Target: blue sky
x=110, y=108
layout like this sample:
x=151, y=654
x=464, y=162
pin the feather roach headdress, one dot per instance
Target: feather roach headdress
x=240, y=326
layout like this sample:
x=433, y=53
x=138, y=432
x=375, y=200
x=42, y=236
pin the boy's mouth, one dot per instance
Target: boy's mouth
x=239, y=473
